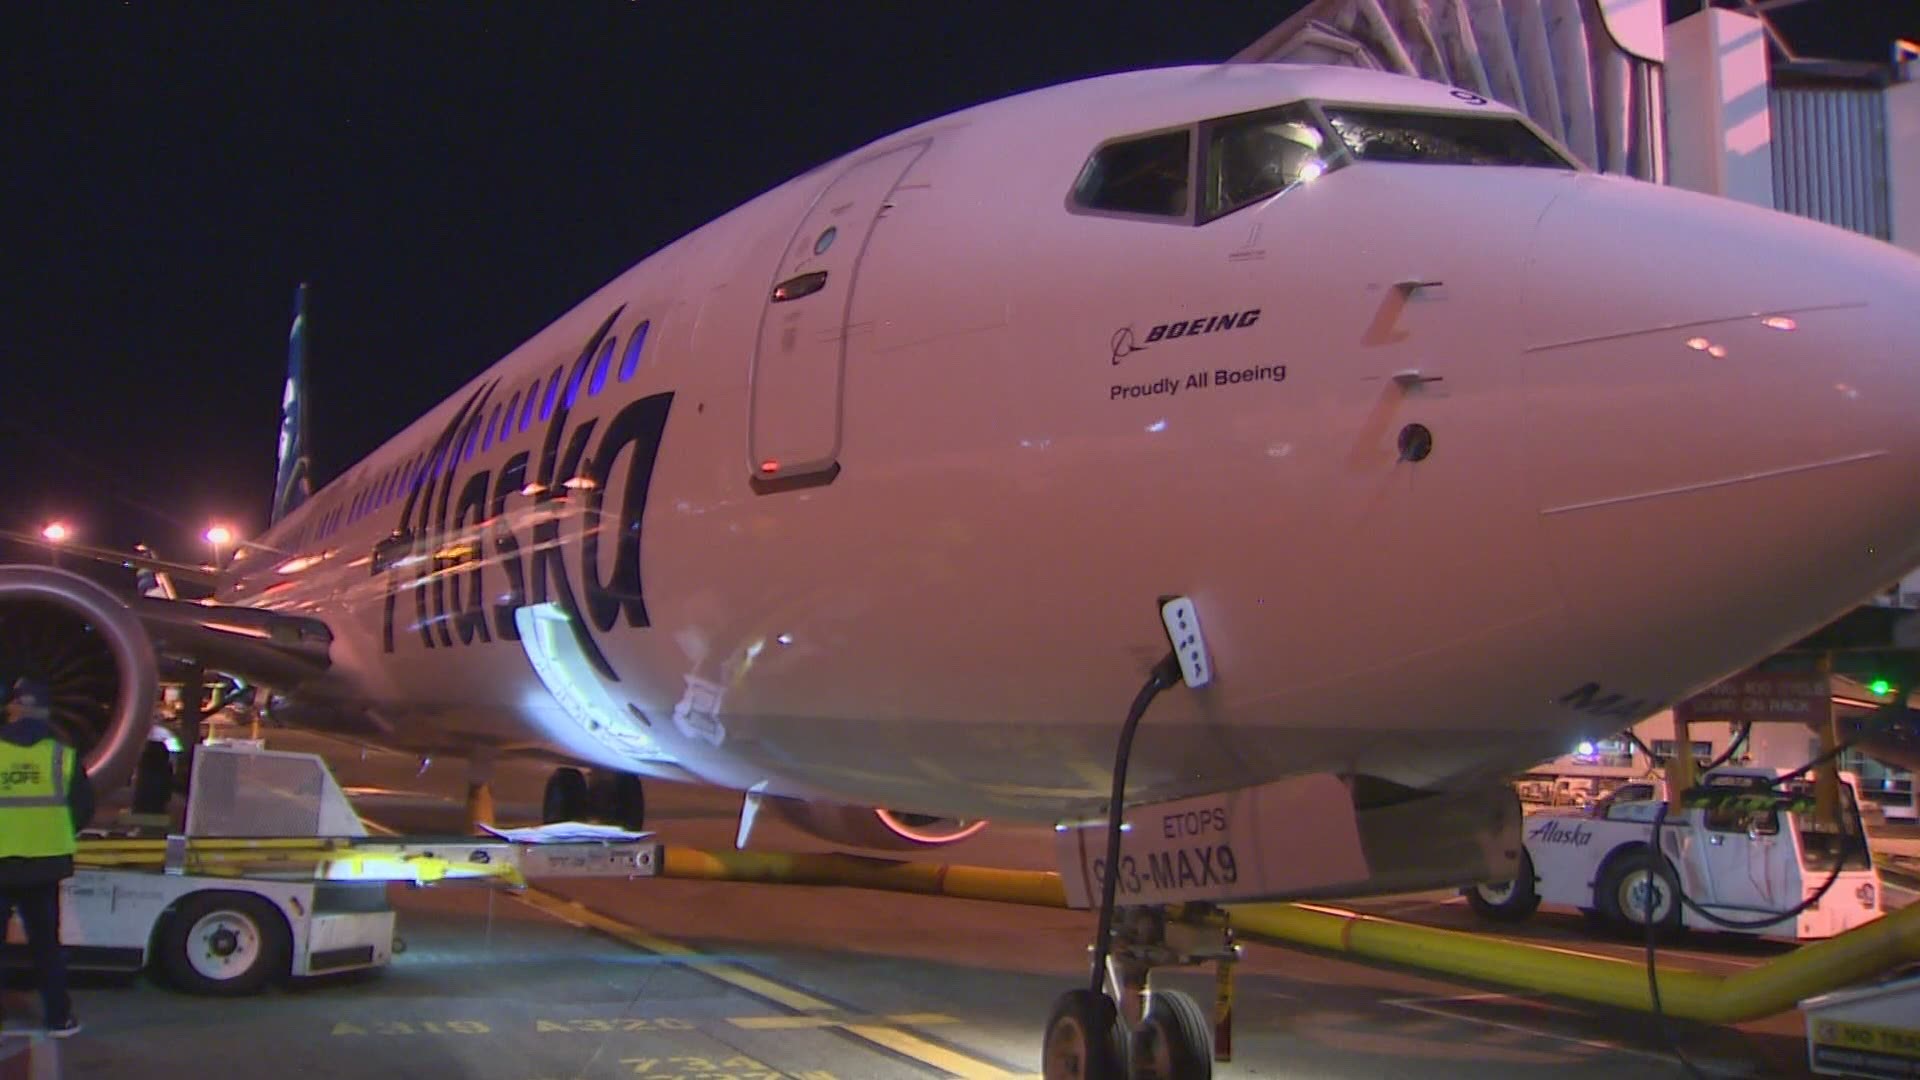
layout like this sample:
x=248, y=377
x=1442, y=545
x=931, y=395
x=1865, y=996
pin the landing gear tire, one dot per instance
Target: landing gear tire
x=1635, y=889
x=1506, y=901
x=565, y=798
x=1084, y=1039
x=619, y=799
x=1175, y=1040
x=153, y=780
x=224, y=944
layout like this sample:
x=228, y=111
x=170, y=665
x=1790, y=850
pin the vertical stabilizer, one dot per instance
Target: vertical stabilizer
x=290, y=483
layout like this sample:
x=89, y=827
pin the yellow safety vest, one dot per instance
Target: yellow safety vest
x=34, y=820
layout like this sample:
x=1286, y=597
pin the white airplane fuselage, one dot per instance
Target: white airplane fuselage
x=1668, y=434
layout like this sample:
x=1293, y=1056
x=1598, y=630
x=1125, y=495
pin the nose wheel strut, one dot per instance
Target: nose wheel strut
x=1119, y=1026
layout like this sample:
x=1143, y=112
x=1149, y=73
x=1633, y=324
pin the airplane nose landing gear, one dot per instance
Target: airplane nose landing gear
x=1118, y=1025
x=1131, y=1029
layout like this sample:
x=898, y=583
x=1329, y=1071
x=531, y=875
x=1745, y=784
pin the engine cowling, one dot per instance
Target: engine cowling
x=95, y=657
x=872, y=827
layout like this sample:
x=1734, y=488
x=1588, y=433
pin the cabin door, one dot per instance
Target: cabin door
x=799, y=361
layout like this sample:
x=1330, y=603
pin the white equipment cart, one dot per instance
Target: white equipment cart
x=274, y=876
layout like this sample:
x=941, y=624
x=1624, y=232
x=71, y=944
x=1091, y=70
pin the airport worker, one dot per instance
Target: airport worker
x=45, y=800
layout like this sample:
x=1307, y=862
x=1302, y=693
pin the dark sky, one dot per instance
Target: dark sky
x=450, y=177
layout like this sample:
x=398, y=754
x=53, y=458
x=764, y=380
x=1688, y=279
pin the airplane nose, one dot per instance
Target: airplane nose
x=1721, y=435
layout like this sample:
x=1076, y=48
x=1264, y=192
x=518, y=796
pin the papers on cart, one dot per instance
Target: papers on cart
x=567, y=832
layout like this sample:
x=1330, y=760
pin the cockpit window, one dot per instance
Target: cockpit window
x=1440, y=138
x=1252, y=157
x=1147, y=175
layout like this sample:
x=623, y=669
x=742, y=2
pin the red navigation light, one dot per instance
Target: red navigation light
x=769, y=466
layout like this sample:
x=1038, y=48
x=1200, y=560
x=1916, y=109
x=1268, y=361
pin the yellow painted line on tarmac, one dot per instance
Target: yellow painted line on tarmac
x=910, y=1045
x=758, y=985
x=880, y=1034
x=793, y=1023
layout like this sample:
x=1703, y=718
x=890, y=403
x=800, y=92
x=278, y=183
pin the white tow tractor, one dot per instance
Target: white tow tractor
x=1745, y=859
x=275, y=876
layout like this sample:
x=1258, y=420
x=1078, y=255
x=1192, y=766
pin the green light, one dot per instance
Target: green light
x=1880, y=686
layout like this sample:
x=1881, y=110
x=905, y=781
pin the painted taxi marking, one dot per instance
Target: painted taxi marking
x=794, y=1023
x=573, y=911
x=882, y=1035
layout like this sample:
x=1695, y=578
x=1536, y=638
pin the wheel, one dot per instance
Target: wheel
x=1507, y=901
x=153, y=780
x=1084, y=1039
x=224, y=943
x=565, y=798
x=618, y=798
x=629, y=803
x=1175, y=1040
x=1632, y=886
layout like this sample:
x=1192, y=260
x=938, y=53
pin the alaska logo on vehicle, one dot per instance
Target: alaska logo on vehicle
x=1552, y=832
x=448, y=517
x=1124, y=343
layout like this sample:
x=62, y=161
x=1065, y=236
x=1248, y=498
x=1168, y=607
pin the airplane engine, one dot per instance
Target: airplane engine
x=95, y=657
x=872, y=827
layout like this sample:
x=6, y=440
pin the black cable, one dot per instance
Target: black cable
x=1165, y=674
x=1646, y=917
x=1733, y=746
x=1659, y=860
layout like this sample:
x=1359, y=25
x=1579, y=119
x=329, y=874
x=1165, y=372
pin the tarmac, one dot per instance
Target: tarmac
x=681, y=980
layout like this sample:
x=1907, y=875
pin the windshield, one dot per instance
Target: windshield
x=1252, y=157
x=1440, y=138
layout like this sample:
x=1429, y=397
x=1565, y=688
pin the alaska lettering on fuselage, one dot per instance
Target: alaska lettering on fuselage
x=436, y=548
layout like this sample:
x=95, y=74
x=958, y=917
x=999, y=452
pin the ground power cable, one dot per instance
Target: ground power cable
x=1888, y=716
x=1165, y=674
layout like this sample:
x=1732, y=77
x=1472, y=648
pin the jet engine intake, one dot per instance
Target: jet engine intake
x=95, y=657
x=872, y=827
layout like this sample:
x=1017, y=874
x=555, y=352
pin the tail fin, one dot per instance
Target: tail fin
x=290, y=483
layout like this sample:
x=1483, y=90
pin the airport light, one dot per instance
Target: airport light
x=219, y=536
x=55, y=533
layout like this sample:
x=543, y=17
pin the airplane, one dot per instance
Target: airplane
x=862, y=499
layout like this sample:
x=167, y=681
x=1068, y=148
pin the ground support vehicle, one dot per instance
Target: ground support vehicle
x=1742, y=855
x=274, y=875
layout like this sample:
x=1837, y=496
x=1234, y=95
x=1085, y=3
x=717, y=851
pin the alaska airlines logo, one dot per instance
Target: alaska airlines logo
x=445, y=523
x=1552, y=832
x=1597, y=700
x=1124, y=344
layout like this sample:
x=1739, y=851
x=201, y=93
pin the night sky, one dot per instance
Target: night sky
x=450, y=178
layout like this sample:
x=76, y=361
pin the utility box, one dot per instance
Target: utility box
x=1870, y=1031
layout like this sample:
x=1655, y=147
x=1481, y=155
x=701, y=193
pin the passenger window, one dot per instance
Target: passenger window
x=533, y=400
x=598, y=380
x=553, y=393
x=1138, y=176
x=1252, y=157
x=580, y=372
x=631, y=361
x=1441, y=138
